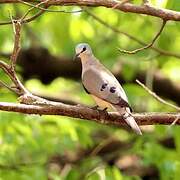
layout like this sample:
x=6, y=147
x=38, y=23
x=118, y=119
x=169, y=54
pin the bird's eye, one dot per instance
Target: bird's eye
x=84, y=48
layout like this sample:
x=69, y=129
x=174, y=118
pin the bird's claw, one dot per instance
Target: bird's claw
x=98, y=108
x=95, y=107
x=103, y=111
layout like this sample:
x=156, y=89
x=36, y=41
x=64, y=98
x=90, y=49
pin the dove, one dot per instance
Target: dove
x=102, y=85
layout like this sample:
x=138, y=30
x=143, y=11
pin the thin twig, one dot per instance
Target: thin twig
x=100, y=146
x=157, y=97
x=148, y=45
x=175, y=121
x=120, y=3
x=5, y=67
x=25, y=95
x=16, y=49
x=10, y=69
x=165, y=14
x=17, y=30
x=32, y=7
x=25, y=20
x=49, y=10
x=163, y=52
x=8, y=87
x=114, y=29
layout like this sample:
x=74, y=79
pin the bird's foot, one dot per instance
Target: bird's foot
x=105, y=109
x=95, y=107
x=99, y=109
x=103, y=113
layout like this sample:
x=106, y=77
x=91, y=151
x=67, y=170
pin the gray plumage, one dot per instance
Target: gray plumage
x=103, y=86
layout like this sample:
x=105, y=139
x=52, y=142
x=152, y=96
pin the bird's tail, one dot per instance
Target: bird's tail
x=129, y=119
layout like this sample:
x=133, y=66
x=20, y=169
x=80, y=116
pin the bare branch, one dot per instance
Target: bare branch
x=148, y=45
x=157, y=97
x=19, y=88
x=89, y=114
x=27, y=20
x=49, y=10
x=100, y=146
x=23, y=18
x=42, y=10
x=174, y=122
x=125, y=7
x=7, y=86
x=161, y=51
x=16, y=49
x=10, y=69
x=25, y=96
x=4, y=66
x=48, y=3
x=120, y=3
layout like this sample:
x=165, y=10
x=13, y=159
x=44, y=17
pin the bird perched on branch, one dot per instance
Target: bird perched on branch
x=101, y=84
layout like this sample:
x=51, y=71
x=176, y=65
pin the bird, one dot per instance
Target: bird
x=102, y=85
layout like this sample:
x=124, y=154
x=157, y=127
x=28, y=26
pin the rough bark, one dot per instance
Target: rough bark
x=86, y=113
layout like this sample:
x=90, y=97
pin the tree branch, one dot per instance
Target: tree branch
x=86, y=113
x=125, y=7
x=157, y=97
x=27, y=20
x=49, y=10
x=25, y=95
x=118, y=31
x=10, y=69
x=16, y=48
x=148, y=45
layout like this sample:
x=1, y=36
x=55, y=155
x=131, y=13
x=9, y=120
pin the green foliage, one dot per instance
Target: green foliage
x=30, y=143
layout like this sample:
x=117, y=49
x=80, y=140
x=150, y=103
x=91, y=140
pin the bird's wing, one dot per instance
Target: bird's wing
x=100, y=82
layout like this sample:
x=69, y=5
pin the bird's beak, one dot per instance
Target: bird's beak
x=76, y=56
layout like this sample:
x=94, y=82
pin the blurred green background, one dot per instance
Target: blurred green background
x=55, y=147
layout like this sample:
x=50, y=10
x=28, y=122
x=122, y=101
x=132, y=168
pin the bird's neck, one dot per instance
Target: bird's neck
x=87, y=61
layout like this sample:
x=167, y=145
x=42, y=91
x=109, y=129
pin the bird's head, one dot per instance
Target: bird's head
x=83, y=49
